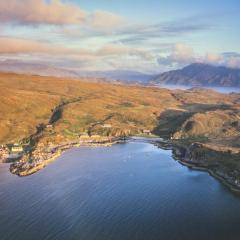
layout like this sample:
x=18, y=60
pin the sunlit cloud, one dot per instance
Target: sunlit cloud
x=105, y=21
x=180, y=55
x=55, y=12
x=40, y=12
x=31, y=47
x=183, y=54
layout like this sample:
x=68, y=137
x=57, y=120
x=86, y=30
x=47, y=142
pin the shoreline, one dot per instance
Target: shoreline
x=197, y=166
x=23, y=169
x=221, y=179
x=211, y=173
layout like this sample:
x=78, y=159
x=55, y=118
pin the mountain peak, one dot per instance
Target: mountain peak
x=201, y=74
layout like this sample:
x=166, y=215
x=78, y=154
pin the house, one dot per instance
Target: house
x=95, y=136
x=107, y=125
x=147, y=132
x=16, y=148
x=83, y=135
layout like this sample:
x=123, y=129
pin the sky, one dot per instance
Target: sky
x=98, y=35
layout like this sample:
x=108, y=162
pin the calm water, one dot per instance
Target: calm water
x=126, y=192
x=217, y=89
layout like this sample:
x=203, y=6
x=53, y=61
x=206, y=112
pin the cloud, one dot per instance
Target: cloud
x=120, y=49
x=55, y=12
x=230, y=59
x=102, y=24
x=16, y=46
x=40, y=12
x=105, y=21
x=112, y=55
x=109, y=56
x=183, y=54
x=234, y=62
x=139, y=33
x=214, y=58
x=11, y=46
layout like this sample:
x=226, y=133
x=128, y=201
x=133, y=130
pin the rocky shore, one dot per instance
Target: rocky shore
x=202, y=157
x=197, y=156
x=41, y=157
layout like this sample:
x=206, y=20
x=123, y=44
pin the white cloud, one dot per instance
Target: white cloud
x=183, y=54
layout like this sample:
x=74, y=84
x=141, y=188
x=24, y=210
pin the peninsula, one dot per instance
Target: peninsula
x=43, y=116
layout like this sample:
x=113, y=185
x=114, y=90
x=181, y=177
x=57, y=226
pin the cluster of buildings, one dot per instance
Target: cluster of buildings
x=8, y=152
x=16, y=148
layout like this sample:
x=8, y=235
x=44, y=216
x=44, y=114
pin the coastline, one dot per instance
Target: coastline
x=179, y=155
x=211, y=173
x=23, y=169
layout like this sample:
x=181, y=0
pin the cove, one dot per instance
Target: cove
x=124, y=192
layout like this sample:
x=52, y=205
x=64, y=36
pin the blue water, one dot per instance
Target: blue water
x=217, y=89
x=132, y=191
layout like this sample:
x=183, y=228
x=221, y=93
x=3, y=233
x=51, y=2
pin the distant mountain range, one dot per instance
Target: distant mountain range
x=35, y=69
x=196, y=74
x=199, y=74
x=121, y=76
x=115, y=76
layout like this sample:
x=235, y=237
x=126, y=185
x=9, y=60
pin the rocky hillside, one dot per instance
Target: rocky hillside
x=198, y=74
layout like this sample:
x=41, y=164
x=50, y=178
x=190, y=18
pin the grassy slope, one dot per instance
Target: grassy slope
x=27, y=101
